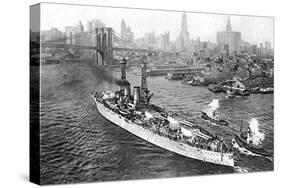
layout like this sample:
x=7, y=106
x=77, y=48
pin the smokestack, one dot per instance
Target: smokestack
x=123, y=63
x=136, y=95
x=127, y=90
x=143, y=77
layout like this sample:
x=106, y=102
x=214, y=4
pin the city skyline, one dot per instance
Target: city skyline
x=254, y=30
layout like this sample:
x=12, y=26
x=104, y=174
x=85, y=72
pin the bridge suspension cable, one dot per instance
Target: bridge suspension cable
x=125, y=40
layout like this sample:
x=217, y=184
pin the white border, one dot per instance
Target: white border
x=14, y=76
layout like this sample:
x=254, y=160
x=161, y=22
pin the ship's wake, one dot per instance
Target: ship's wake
x=244, y=151
x=240, y=169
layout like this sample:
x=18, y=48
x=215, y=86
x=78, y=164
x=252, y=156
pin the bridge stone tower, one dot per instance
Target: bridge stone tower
x=104, y=53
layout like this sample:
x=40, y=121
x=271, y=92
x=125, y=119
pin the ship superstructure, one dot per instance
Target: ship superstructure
x=136, y=114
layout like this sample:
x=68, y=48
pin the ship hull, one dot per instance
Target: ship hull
x=225, y=159
x=243, y=143
x=219, y=122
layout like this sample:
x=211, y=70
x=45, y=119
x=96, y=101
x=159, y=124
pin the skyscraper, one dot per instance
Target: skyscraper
x=229, y=41
x=228, y=26
x=165, y=41
x=126, y=32
x=183, y=42
x=267, y=45
x=93, y=24
x=72, y=33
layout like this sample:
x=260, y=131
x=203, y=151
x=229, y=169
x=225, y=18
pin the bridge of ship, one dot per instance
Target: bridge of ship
x=104, y=41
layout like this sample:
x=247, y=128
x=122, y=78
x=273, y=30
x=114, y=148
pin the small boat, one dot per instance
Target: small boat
x=230, y=94
x=215, y=88
x=216, y=121
x=254, y=90
x=242, y=142
x=266, y=90
x=196, y=83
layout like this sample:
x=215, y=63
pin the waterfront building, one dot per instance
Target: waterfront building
x=183, y=42
x=126, y=32
x=229, y=41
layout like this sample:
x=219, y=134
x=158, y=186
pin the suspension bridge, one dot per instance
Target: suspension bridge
x=103, y=41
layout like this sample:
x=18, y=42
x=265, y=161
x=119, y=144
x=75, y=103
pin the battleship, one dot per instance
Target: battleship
x=139, y=116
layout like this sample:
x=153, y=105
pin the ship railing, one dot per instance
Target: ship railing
x=185, y=122
x=202, y=141
x=198, y=143
x=203, y=135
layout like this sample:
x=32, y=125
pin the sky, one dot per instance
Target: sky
x=254, y=29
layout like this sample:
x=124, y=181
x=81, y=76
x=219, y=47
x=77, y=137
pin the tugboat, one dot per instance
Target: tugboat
x=245, y=140
x=196, y=83
x=136, y=114
x=205, y=116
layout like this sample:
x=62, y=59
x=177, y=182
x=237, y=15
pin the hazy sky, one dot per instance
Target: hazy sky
x=253, y=29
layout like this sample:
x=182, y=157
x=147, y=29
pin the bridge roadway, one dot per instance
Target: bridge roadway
x=71, y=46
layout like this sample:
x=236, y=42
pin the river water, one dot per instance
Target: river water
x=79, y=145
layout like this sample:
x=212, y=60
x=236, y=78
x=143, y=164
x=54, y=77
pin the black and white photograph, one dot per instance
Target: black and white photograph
x=131, y=93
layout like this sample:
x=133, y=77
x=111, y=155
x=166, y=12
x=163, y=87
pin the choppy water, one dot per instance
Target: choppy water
x=79, y=145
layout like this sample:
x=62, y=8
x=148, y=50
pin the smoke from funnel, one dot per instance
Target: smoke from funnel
x=101, y=73
x=121, y=82
x=257, y=136
x=104, y=74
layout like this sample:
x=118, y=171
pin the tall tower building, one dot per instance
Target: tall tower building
x=80, y=26
x=183, y=42
x=123, y=28
x=126, y=32
x=184, y=23
x=229, y=41
x=228, y=25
